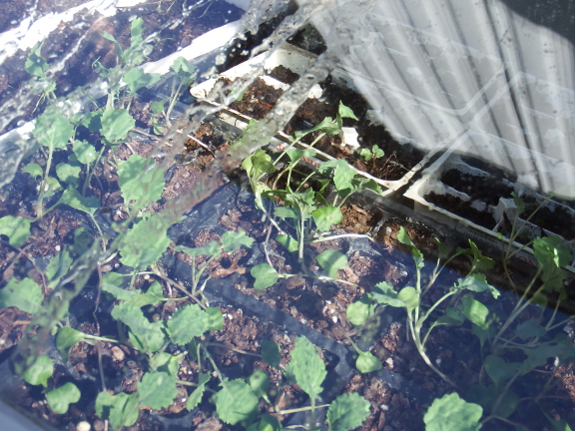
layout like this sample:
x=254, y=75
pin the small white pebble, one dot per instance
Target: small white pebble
x=183, y=400
x=384, y=407
x=147, y=277
x=83, y=426
x=438, y=361
x=334, y=319
x=57, y=248
x=389, y=361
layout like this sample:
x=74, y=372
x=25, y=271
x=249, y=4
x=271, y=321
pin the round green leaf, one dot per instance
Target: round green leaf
x=17, y=229
x=450, y=413
x=157, y=390
x=40, y=371
x=358, y=312
x=409, y=297
x=347, y=412
x=60, y=398
x=235, y=402
x=116, y=123
x=366, y=362
x=327, y=216
x=265, y=275
x=332, y=261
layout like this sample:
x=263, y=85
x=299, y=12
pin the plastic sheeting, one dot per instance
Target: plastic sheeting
x=435, y=70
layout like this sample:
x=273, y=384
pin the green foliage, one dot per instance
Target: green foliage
x=235, y=402
x=264, y=274
x=271, y=353
x=24, y=294
x=145, y=336
x=40, y=371
x=450, y=413
x=116, y=123
x=60, y=398
x=366, y=362
x=53, y=130
x=120, y=410
x=188, y=322
x=66, y=339
x=331, y=261
x=157, y=390
x=17, y=229
x=144, y=243
x=347, y=412
x=359, y=311
x=374, y=153
x=308, y=368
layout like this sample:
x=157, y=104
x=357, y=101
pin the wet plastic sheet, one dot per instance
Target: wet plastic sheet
x=434, y=70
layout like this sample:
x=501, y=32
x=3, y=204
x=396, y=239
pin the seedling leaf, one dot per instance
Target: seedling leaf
x=210, y=249
x=60, y=398
x=235, y=402
x=475, y=311
x=116, y=123
x=17, y=229
x=529, y=328
x=265, y=275
x=34, y=170
x=308, y=368
x=327, y=216
x=366, y=362
x=271, y=353
x=68, y=173
x=144, y=243
x=35, y=63
x=188, y=322
x=234, y=240
x=476, y=283
x=409, y=297
x=342, y=173
x=120, y=410
x=136, y=78
x=259, y=382
x=74, y=199
x=358, y=312
x=149, y=337
x=288, y=242
x=40, y=371
x=195, y=397
x=58, y=267
x=157, y=390
x=24, y=294
x=348, y=411
x=53, y=130
x=383, y=293
x=499, y=370
x=215, y=319
x=66, y=339
x=331, y=261
x=85, y=152
x=452, y=413
x=140, y=181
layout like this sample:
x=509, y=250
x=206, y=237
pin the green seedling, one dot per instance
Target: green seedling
x=412, y=298
x=36, y=66
x=59, y=398
x=229, y=242
x=301, y=203
x=184, y=74
x=371, y=153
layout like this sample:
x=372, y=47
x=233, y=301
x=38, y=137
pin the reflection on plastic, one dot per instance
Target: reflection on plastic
x=434, y=70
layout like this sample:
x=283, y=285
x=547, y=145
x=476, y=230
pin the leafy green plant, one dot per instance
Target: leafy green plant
x=229, y=242
x=184, y=74
x=303, y=204
x=412, y=298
